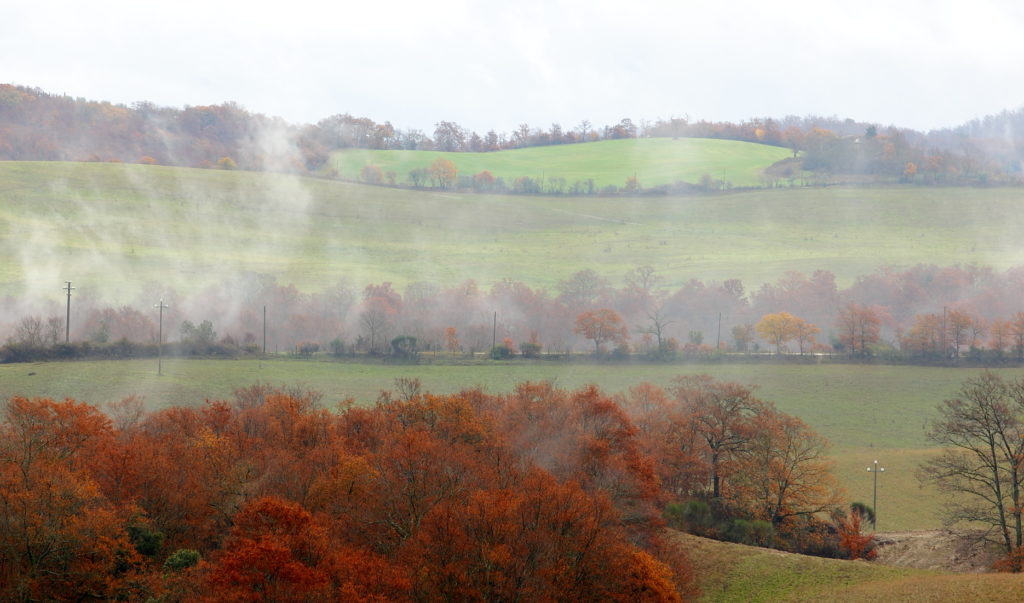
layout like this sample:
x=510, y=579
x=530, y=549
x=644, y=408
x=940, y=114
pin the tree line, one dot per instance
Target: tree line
x=538, y=494
x=927, y=313
x=36, y=125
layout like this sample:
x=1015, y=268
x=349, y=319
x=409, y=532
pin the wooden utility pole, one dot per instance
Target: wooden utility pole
x=160, y=338
x=67, y=321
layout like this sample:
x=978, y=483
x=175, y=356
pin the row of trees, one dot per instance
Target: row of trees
x=443, y=174
x=924, y=312
x=36, y=125
x=538, y=494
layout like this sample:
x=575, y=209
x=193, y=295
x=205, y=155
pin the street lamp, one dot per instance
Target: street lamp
x=875, y=469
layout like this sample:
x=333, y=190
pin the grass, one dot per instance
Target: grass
x=867, y=412
x=734, y=572
x=119, y=231
x=654, y=162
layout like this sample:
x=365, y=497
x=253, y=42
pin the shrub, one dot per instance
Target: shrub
x=693, y=516
x=182, y=559
x=500, y=352
x=403, y=346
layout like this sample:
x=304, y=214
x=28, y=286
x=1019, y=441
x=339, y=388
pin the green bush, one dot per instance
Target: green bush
x=501, y=352
x=182, y=559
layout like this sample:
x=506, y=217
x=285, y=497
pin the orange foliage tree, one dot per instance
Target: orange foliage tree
x=601, y=326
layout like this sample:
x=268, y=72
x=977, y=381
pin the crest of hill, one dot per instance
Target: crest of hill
x=653, y=162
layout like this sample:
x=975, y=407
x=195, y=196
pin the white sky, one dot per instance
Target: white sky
x=489, y=64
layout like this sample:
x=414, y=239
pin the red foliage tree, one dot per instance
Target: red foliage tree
x=601, y=326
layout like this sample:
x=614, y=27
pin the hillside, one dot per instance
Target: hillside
x=117, y=227
x=735, y=572
x=654, y=162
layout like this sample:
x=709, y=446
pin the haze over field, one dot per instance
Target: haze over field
x=757, y=243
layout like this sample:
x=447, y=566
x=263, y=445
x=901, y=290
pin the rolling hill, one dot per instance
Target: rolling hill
x=117, y=227
x=653, y=161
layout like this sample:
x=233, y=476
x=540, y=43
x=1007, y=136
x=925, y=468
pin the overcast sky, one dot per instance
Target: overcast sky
x=912, y=63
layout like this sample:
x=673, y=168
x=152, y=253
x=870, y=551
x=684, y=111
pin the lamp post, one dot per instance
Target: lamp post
x=875, y=469
x=160, y=339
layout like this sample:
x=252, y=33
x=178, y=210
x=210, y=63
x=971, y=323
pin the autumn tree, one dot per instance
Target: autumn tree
x=1017, y=333
x=925, y=336
x=720, y=414
x=280, y=551
x=601, y=326
x=859, y=327
x=60, y=533
x=803, y=333
x=542, y=539
x=484, y=181
x=783, y=327
x=743, y=336
x=784, y=470
x=442, y=172
x=1001, y=333
x=451, y=340
x=959, y=326
x=371, y=174
x=853, y=542
x=981, y=431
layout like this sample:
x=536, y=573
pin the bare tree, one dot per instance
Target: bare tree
x=659, y=322
x=54, y=329
x=982, y=467
x=376, y=319
x=29, y=331
x=642, y=278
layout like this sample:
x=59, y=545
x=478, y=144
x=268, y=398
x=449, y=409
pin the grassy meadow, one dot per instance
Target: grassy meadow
x=734, y=572
x=120, y=230
x=867, y=412
x=654, y=162
x=125, y=233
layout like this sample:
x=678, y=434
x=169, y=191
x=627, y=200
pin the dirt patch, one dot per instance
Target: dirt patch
x=962, y=552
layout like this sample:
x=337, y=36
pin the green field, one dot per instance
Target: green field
x=867, y=412
x=654, y=162
x=116, y=230
x=734, y=572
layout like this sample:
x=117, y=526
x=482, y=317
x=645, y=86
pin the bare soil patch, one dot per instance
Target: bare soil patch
x=961, y=551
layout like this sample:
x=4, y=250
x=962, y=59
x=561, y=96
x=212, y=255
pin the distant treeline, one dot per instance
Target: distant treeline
x=925, y=313
x=35, y=125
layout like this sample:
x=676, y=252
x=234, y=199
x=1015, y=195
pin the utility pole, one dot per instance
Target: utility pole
x=945, y=352
x=718, y=344
x=160, y=339
x=67, y=321
x=264, y=330
x=875, y=469
x=494, y=332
